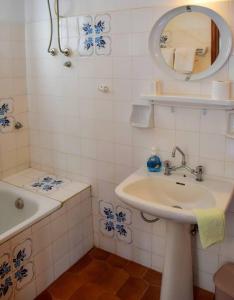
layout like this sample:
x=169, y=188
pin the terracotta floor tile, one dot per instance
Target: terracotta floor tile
x=135, y=270
x=108, y=296
x=153, y=277
x=66, y=285
x=96, y=269
x=81, y=264
x=112, y=280
x=104, y=276
x=99, y=254
x=88, y=291
x=117, y=261
x=44, y=296
x=133, y=289
x=152, y=293
x=200, y=294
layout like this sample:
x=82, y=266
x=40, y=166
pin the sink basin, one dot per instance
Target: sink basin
x=173, y=197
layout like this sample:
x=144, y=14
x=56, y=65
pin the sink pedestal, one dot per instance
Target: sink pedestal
x=177, y=281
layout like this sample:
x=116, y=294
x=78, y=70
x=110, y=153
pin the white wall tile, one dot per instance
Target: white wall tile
x=188, y=119
x=142, y=257
x=89, y=135
x=214, y=121
x=212, y=146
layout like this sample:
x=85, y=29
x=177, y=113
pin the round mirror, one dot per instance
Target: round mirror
x=190, y=42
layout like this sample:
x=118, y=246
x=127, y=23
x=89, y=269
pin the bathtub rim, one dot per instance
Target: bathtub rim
x=46, y=206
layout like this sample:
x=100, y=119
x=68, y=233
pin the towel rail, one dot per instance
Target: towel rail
x=199, y=51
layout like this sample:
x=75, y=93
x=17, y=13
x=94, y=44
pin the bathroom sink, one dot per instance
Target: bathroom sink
x=173, y=197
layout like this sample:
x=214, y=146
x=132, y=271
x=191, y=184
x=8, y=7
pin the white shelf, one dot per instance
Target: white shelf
x=189, y=101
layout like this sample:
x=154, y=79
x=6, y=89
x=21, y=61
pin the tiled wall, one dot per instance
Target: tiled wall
x=82, y=133
x=36, y=257
x=14, y=149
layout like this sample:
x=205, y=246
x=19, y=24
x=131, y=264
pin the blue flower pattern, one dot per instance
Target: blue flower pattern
x=21, y=273
x=4, y=287
x=100, y=42
x=5, y=268
x=47, y=184
x=108, y=213
x=121, y=229
x=87, y=28
x=116, y=221
x=99, y=27
x=120, y=217
x=4, y=109
x=20, y=257
x=109, y=226
x=88, y=43
x=5, y=120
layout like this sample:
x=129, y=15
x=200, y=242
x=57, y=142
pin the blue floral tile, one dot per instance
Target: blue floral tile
x=5, y=266
x=107, y=210
x=123, y=215
x=123, y=233
x=24, y=275
x=102, y=24
x=46, y=184
x=4, y=109
x=6, y=121
x=21, y=253
x=6, y=288
x=19, y=258
x=85, y=24
x=21, y=273
x=7, y=124
x=120, y=217
x=107, y=227
x=102, y=45
x=114, y=221
x=6, y=106
x=86, y=46
x=93, y=35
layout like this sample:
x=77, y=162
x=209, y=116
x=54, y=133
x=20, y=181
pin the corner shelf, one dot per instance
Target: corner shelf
x=189, y=101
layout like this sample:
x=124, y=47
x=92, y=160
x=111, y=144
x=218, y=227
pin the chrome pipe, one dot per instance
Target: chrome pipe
x=66, y=51
x=51, y=51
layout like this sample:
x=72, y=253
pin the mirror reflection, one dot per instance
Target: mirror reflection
x=190, y=43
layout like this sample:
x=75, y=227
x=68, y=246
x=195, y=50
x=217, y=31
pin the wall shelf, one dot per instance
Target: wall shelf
x=189, y=101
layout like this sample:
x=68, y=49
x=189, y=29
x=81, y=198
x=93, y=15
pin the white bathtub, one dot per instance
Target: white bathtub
x=14, y=220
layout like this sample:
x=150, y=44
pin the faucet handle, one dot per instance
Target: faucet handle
x=167, y=166
x=199, y=173
x=167, y=163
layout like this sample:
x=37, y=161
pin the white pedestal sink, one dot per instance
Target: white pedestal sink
x=174, y=198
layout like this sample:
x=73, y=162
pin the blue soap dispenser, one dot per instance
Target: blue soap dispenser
x=154, y=163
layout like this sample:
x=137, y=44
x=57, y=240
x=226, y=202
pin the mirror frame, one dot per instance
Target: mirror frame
x=225, y=40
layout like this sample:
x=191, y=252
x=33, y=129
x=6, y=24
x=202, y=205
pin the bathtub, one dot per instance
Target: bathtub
x=13, y=219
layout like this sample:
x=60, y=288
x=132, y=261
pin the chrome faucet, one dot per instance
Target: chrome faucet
x=168, y=168
x=173, y=154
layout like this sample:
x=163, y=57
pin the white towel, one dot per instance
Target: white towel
x=184, y=60
x=168, y=54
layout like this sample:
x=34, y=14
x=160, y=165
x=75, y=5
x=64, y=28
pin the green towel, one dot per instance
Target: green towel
x=211, y=225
